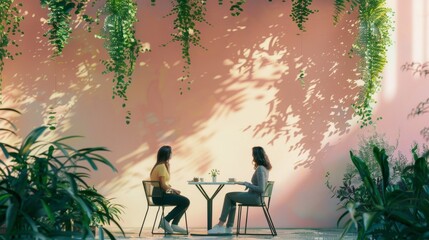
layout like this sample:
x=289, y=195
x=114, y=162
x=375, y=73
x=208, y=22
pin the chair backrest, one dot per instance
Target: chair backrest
x=268, y=192
x=149, y=187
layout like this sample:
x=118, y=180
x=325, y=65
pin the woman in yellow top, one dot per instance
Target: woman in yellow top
x=169, y=196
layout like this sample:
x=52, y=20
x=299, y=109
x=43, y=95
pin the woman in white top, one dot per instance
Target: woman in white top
x=255, y=188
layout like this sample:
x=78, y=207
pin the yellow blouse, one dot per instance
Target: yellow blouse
x=160, y=171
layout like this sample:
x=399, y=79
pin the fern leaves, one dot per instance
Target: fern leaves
x=371, y=46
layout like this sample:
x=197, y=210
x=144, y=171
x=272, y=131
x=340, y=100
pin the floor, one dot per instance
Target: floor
x=289, y=234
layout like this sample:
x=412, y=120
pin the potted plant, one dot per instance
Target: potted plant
x=214, y=173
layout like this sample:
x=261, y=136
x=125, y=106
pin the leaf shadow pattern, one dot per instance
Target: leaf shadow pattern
x=315, y=87
x=421, y=70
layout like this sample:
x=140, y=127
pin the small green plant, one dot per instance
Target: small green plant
x=214, y=172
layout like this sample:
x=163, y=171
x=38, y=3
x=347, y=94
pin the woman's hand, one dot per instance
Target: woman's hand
x=175, y=191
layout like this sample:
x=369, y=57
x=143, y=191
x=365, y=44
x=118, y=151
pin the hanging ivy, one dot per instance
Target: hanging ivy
x=371, y=46
x=236, y=7
x=10, y=19
x=188, y=13
x=59, y=20
x=122, y=45
x=300, y=12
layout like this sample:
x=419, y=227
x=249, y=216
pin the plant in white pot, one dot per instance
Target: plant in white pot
x=214, y=173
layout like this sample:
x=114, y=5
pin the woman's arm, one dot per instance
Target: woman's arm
x=261, y=181
x=163, y=185
x=167, y=188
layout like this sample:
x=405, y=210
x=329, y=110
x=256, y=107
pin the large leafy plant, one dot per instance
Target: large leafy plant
x=391, y=209
x=375, y=26
x=44, y=193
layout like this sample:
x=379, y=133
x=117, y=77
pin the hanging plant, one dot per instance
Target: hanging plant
x=122, y=45
x=371, y=46
x=300, y=12
x=59, y=20
x=10, y=19
x=188, y=13
x=236, y=7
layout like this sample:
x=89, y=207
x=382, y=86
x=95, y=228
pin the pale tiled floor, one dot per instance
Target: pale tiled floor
x=289, y=234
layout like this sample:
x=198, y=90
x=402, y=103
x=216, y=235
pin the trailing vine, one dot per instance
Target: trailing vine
x=188, y=13
x=10, y=19
x=371, y=46
x=59, y=20
x=122, y=46
x=300, y=12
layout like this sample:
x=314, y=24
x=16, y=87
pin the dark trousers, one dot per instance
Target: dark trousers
x=181, y=203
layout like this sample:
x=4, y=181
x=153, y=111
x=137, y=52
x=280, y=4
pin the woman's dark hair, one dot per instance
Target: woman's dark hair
x=261, y=158
x=164, y=154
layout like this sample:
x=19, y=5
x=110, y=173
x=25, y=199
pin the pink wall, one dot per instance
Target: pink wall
x=245, y=93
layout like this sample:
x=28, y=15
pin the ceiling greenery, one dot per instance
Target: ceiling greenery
x=118, y=19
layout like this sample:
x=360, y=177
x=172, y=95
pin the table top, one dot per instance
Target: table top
x=212, y=183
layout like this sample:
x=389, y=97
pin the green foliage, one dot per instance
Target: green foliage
x=188, y=13
x=122, y=45
x=236, y=7
x=340, y=8
x=351, y=188
x=10, y=19
x=300, y=12
x=43, y=190
x=390, y=210
x=59, y=20
x=375, y=25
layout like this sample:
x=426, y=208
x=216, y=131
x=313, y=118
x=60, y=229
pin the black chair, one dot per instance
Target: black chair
x=265, y=207
x=149, y=187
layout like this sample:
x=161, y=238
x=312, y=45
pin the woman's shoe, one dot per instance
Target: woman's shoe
x=178, y=229
x=228, y=230
x=216, y=230
x=165, y=225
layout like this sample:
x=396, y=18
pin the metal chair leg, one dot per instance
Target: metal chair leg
x=186, y=222
x=238, y=220
x=269, y=221
x=144, y=219
x=247, y=214
x=156, y=216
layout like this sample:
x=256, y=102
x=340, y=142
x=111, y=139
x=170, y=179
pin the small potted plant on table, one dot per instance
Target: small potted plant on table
x=214, y=172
